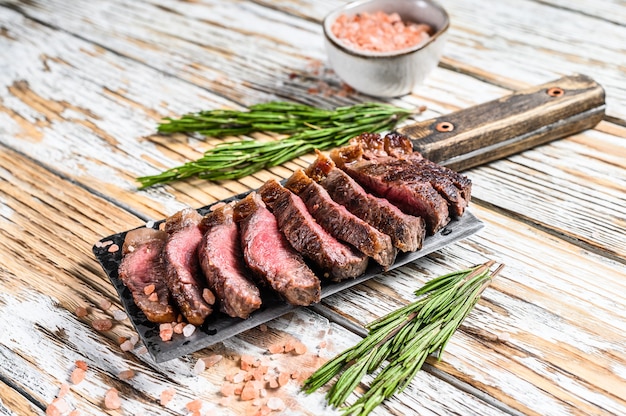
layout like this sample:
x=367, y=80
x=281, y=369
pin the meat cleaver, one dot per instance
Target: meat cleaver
x=511, y=124
x=460, y=140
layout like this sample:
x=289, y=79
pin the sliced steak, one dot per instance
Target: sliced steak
x=336, y=260
x=453, y=186
x=269, y=255
x=143, y=273
x=398, y=181
x=183, y=275
x=406, y=231
x=222, y=262
x=340, y=222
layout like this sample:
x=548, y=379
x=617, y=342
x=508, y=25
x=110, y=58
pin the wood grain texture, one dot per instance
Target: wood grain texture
x=82, y=87
x=510, y=124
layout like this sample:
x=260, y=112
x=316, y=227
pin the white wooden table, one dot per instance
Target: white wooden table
x=82, y=87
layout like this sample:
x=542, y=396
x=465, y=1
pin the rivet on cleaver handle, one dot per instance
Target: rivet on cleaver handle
x=511, y=124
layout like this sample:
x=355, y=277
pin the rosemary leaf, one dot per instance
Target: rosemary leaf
x=309, y=128
x=401, y=341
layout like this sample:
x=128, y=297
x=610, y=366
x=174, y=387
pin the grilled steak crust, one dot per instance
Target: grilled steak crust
x=336, y=260
x=183, y=275
x=340, y=222
x=454, y=187
x=406, y=231
x=222, y=262
x=269, y=255
x=141, y=267
x=397, y=180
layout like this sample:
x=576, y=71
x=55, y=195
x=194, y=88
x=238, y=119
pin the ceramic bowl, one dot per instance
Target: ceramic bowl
x=388, y=74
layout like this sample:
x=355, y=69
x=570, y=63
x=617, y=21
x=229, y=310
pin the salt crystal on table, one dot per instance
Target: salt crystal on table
x=126, y=345
x=275, y=403
x=199, y=367
x=150, y=224
x=188, y=330
x=112, y=399
x=119, y=315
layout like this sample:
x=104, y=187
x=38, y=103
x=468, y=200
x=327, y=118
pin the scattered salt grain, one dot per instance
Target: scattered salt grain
x=119, y=315
x=239, y=377
x=300, y=348
x=276, y=348
x=250, y=391
x=149, y=289
x=81, y=311
x=208, y=296
x=65, y=388
x=211, y=360
x=58, y=407
x=263, y=328
x=194, y=406
x=149, y=224
x=154, y=297
x=199, y=367
x=178, y=327
x=275, y=403
x=74, y=412
x=228, y=389
x=81, y=364
x=166, y=331
x=114, y=248
x=105, y=304
x=283, y=378
x=126, y=346
x=126, y=374
x=167, y=395
x=78, y=375
x=102, y=324
x=188, y=330
x=134, y=339
x=112, y=399
x=143, y=350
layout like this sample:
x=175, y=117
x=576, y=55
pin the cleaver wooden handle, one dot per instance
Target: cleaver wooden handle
x=511, y=124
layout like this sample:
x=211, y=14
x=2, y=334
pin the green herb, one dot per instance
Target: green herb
x=310, y=128
x=403, y=339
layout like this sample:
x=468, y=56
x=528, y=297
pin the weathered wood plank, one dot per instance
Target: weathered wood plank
x=12, y=403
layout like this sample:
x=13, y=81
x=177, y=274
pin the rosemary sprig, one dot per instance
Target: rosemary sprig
x=403, y=339
x=309, y=128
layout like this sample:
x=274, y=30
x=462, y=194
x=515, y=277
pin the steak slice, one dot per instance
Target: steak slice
x=336, y=260
x=406, y=231
x=222, y=262
x=183, y=275
x=398, y=181
x=341, y=223
x=269, y=255
x=453, y=186
x=141, y=268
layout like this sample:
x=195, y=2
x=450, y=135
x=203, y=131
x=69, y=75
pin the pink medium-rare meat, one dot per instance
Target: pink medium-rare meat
x=336, y=260
x=269, y=255
x=143, y=273
x=341, y=223
x=451, y=185
x=397, y=181
x=406, y=231
x=222, y=262
x=183, y=275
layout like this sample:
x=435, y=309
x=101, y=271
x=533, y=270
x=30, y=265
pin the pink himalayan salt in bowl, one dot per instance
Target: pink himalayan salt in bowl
x=374, y=53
